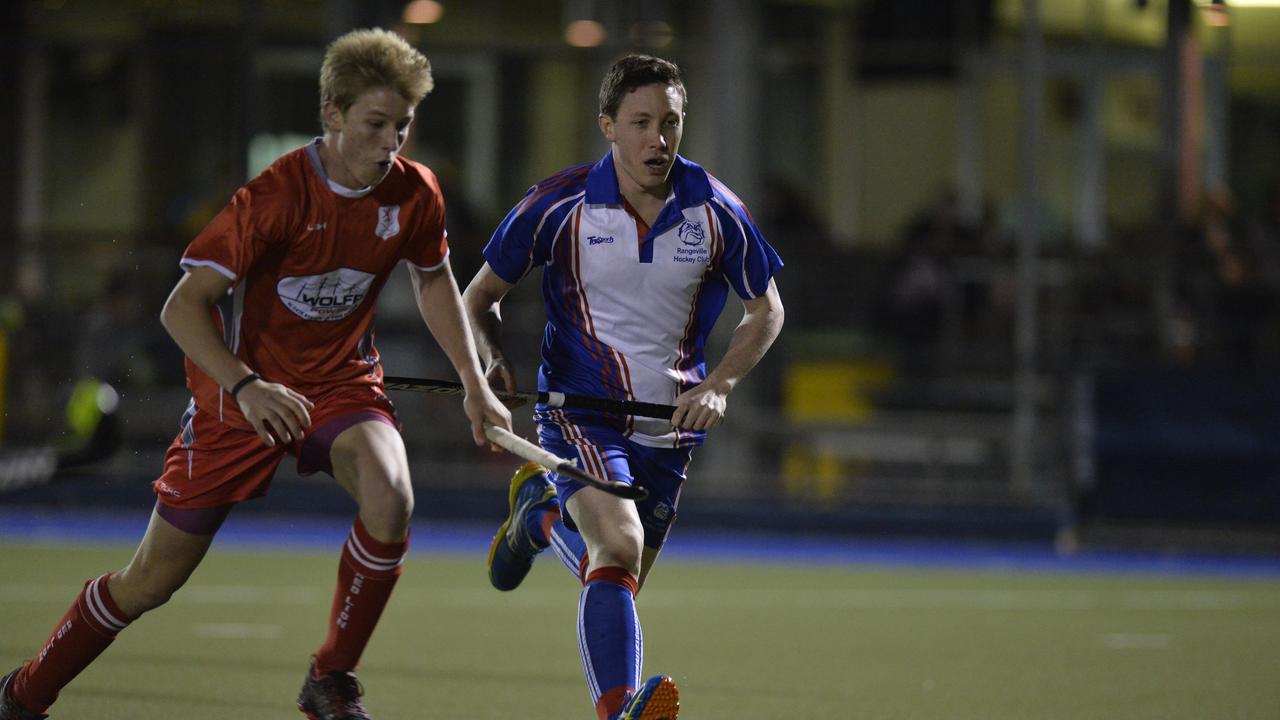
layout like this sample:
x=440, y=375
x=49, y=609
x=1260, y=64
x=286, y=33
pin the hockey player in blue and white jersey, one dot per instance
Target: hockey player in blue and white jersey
x=638, y=253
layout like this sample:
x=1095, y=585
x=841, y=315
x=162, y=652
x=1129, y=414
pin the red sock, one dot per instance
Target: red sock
x=89, y=626
x=549, y=518
x=366, y=575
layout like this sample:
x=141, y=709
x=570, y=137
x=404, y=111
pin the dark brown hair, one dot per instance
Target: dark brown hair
x=634, y=71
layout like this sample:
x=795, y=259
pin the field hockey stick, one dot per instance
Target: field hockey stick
x=26, y=468
x=522, y=448
x=551, y=399
x=23, y=468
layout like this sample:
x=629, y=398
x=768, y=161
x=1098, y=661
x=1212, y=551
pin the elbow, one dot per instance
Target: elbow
x=777, y=316
x=178, y=311
x=468, y=296
x=469, y=308
x=166, y=316
x=477, y=303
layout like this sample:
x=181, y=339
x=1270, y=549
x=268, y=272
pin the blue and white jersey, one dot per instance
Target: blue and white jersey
x=629, y=308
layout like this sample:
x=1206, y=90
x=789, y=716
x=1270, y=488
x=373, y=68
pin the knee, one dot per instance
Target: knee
x=386, y=508
x=623, y=548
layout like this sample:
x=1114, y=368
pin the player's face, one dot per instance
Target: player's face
x=645, y=136
x=365, y=139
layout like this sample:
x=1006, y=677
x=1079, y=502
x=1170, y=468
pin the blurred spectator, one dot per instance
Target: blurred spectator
x=786, y=212
x=923, y=293
x=1262, y=235
x=1224, y=300
x=789, y=221
x=116, y=336
x=467, y=232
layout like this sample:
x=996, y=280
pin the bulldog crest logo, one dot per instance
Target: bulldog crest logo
x=691, y=233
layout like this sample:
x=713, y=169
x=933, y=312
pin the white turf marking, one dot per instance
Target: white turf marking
x=1137, y=641
x=201, y=594
x=938, y=598
x=250, y=595
x=238, y=631
x=1187, y=600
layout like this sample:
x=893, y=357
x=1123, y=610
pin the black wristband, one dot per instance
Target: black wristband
x=235, y=389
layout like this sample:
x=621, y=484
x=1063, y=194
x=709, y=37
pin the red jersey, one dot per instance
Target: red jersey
x=307, y=260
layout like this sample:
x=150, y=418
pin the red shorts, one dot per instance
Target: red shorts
x=211, y=464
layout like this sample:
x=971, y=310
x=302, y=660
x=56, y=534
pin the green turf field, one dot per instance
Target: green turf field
x=764, y=642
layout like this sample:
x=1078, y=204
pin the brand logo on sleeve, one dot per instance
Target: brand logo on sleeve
x=329, y=297
x=388, y=222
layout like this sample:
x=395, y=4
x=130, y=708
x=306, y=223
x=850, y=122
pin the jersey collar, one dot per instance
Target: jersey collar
x=689, y=183
x=313, y=152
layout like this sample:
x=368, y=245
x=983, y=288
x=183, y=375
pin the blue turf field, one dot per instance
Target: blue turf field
x=324, y=533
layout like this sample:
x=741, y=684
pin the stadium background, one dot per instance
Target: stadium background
x=997, y=323
x=1058, y=328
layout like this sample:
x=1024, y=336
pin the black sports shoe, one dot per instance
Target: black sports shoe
x=9, y=708
x=332, y=696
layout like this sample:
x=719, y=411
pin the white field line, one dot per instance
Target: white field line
x=238, y=631
x=1137, y=641
x=996, y=599
x=201, y=594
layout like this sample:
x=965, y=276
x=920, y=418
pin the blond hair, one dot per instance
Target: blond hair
x=365, y=59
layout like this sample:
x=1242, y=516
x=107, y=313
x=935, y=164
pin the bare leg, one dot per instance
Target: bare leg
x=369, y=462
x=647, y=559
x=610, y=526
x=163, y=562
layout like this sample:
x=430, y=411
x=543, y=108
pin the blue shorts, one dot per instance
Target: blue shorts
x=607, y=453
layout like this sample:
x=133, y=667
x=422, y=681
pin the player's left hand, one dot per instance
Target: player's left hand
x=700, y=408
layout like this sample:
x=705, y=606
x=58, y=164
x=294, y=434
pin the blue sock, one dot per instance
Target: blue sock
x=609, y=638
x=569, y=547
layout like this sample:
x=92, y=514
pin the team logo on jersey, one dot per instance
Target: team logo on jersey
x=388, y=221
x=693, y=237
x=325, y=298
x=598, y=240
x=691, y=233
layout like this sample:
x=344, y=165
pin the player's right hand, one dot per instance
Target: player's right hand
x=275, y=411
x=482, y=409
x=502, y=379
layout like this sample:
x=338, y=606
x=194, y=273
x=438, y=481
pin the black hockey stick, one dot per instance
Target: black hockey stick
x=552, y=399
x=522, y=448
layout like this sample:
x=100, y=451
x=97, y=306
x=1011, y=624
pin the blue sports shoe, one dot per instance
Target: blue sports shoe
x=657, y=699
x=512, y=552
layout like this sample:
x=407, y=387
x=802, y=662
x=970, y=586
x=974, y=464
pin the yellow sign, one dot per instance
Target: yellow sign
x=833, y=390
